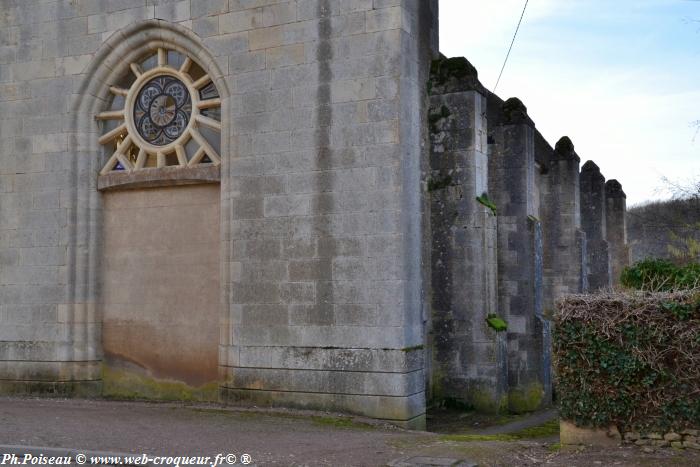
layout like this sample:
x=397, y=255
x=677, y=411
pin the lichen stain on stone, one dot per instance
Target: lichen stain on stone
x=527, y=399
x=435, y=117
x=486, y=401
x=435, y=184
x=126, y=384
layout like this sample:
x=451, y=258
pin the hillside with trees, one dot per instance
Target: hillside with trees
x=667, y=229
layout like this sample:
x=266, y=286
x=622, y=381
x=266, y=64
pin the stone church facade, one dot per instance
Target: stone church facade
x=278, y=202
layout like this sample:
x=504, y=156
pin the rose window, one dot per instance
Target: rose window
x=165, y=112
x=162, y=110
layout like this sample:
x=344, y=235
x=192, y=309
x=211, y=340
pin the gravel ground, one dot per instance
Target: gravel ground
x=279, y=438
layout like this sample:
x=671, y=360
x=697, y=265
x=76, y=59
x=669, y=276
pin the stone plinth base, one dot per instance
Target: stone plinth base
x=406, y=412
x=87, y=389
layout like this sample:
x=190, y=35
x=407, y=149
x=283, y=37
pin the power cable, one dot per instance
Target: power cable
x=511, y=46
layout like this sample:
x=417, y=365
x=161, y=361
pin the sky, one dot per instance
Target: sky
x=621, y=78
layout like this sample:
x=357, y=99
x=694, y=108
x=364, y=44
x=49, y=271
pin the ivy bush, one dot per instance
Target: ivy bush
x=660, y=275
x=629, y=359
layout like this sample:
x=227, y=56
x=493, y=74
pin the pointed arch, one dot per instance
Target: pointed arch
x=91, y=95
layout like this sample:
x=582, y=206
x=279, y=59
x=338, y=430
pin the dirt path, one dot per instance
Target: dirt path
x=536, y=419
x=286, y=438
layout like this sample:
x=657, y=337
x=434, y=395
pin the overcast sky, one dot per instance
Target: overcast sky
x=620, y=77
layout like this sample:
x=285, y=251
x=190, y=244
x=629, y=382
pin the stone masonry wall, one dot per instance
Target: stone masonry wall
x=468, y=357
x=512, y=182
x=323, y=219
x=536, y=236
x=564, y=241
x=593, y=224
x=356, y=262
x=616, y=224
x=326, y=306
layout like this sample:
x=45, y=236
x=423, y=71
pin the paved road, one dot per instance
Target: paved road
x=285, y=438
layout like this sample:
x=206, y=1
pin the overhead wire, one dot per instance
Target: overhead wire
x=522, y=15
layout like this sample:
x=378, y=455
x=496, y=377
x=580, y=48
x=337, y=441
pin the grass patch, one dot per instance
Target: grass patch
x=551, y=428
x=340, y=422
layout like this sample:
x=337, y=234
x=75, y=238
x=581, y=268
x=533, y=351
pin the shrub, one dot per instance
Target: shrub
x=660, y=275
x=632, y=360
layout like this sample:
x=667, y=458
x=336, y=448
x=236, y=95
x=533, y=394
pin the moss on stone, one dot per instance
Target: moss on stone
x=484, y=199
x=565, y=148
x=123, y=384
x=458, y=67
x=514, y=111
x=486, y=401
x=527, y=399
x=496, y=323
x=456, y=70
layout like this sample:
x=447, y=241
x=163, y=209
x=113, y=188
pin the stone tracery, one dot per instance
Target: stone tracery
x=159, y=113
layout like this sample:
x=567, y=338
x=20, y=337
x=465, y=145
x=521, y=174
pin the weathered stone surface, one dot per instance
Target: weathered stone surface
x=564, y=241
x=466, y=354
x=616, y=226
x=138, y=309
x=593, y=223
x=512, y=178
x=159, y=178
